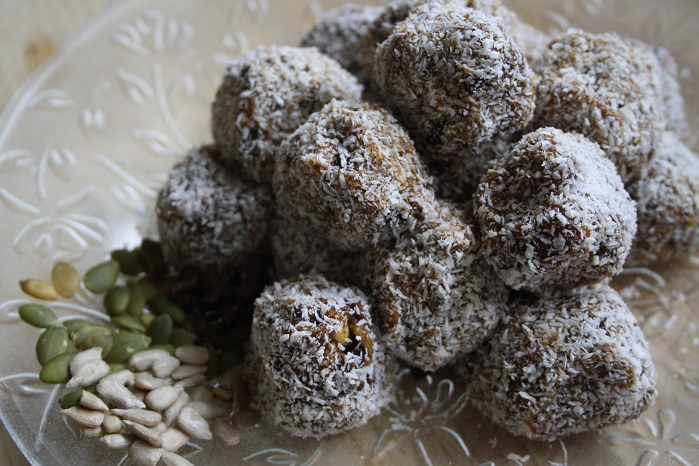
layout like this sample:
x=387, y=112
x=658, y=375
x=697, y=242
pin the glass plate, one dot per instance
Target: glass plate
x=84, y=146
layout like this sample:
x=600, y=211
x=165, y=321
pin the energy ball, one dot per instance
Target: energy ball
x=317, y=367
x=351, y=175
x=435, y=299
x=296, y=251
x=338, y=34
x=599, y=86
x=209, y=216
x=564, y=365
x=265, y=95
x=454, y=78
x=554, y=214
x=667, y=200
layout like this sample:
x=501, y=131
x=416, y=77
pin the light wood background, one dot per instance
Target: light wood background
x=30, y=33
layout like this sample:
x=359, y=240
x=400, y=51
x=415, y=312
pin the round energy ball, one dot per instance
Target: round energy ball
x=265, y=95
x=434, y=297
x=317, y=367
x=350, y=174
x=599, y=86
x=554, y=214
x=454, y=78
x=209, y=216
x=564, y=365
x=667, y=200
x=338, y=34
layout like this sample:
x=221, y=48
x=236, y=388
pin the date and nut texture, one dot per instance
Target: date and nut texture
x=315, y=359
x=563, y=365
x=265, y=95
x=454, y=78
x=554, y=214
x=503, y=160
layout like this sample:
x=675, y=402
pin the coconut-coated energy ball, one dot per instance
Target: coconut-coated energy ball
x=265, y=95
x=599, y=86
x=435, y=299
x=554, y=214
x=454, y=78
x=564, y=365
x=667, y=200
x=317, y=367
x=350, y=174
x=207, y=215
x=338, y=34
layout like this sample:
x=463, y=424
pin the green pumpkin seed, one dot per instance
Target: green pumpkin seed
x=101, y=277
x=70, y=399
x=81, y=335
x=165, y=347
x=37, y=315
x=149, y=288
x=181, y=337
x=65, y=278
x=117, y=300
x=38, y=289
x=98, y=338
x=57, y=370
x=73, y=325
x=117, y=367
x=137, y=299
x=130, y=262
x=153, y=256
x=52, y=342
x=160, y=329
x=146, y=318
x=126, y=343
x=129, y=323
x=164, y=304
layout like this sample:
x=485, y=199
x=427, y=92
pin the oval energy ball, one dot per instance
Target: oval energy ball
x=564, y=365
x=317, y=367
x=667, y=200
x=338, y=34
x=265, y=95
x=350, y=174
x=209, y=216
x=434, y=297
x=454, y=78
x=554, y=214
x=599, y=86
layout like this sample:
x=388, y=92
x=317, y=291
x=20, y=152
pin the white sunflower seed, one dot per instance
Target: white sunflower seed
x=143, y=432
x=144, y=360
x=208, y=411
x=142, y=454
x=193, y=424
x=224, y=432
x=192, y=354
x=173, y=439
x=92, y=401
x=111, y=424
x=118, y=395
x=163, y=368
x=88, y=373
x=162, y=397
x=188, y=370
x=142, y=416
x=92, y=354
x=171, y=413
x=147, y=381
x=117, y=441
x=168, y=458
x=84, y=417
x=192, y=381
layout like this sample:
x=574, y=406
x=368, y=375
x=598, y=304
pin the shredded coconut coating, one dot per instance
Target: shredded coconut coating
x=317, y=368
x=667, y=200
x=454, y=78
x=296, y=251
x=666, y=73
x=350, y=174
x=563, y=366
x=265, y=95
x=338, y=34
x=209, y=216
x=532, y=41
x=554, y=214
x=599, y=86
x=434, y=297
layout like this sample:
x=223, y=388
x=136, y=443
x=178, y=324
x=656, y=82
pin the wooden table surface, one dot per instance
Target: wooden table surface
x=30, y=33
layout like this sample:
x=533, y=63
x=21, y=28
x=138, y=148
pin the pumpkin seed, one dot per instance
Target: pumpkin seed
x=181, y=337
x=65, y=278
x=130, y=262
x=153, y=256
x=146, y=318
x=148, y=287
x=38, y=289
x=164, y=346
x=137, y=299
x=164, y=304
x=117, y=300
x=57, y=370
x=70, y=399
x=100, y=338
x=126, y=343
x=74, y=325
x=52, y=342
x=37, y=315
x=160, y=329
x=90, y=336
x=101, y=277
x=129, y=323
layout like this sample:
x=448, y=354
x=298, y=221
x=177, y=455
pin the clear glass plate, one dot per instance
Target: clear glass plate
x=84, y=146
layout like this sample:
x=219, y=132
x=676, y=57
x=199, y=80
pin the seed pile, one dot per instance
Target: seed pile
x=458, y=225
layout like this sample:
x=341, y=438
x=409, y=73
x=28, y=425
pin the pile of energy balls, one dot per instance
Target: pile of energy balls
x=440, y=183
